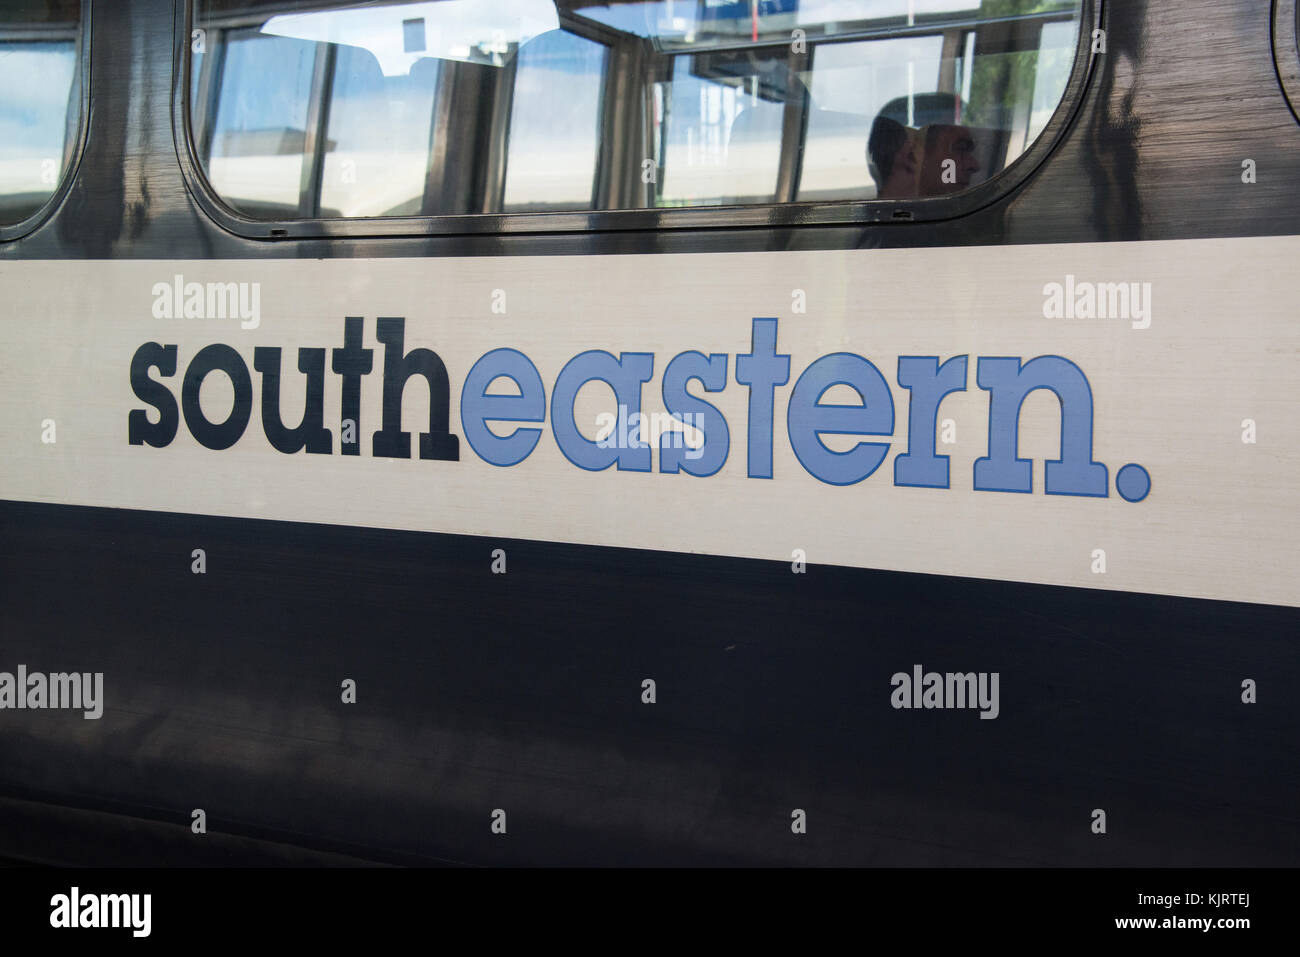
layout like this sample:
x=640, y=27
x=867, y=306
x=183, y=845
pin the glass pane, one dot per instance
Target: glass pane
x=1055, y=57
x=195, y=73
x=39, y=104
x=851, y=85
x=378, y=136
x=555, y=123
x=719, y=127
x=345, y=109
x=259, y=136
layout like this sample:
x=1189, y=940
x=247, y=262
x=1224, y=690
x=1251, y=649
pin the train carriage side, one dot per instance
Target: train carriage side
x=611, y=433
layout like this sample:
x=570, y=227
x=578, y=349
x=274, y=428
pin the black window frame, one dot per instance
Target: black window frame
x=1286, y=50
x=68, y=175
x=811, y=213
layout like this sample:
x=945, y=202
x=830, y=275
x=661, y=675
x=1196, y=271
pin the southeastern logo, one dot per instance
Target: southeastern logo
x=761, y=370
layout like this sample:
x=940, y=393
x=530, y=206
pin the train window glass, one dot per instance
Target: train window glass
x=255, y=155
x=378, y=136
x=197, y=53
x=717, y=144
x=333, y=108
x=554, y=126
x=40, y=97
x=851, y=83
x=1052, y=70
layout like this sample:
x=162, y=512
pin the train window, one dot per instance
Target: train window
x=257, y=143
x=554, y=131
x=377, y=137
x=716, y=145
x=40, y=102
x=848, y=77
x=322, y=109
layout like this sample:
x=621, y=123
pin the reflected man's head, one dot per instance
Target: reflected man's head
x=949, y=159
x=907, y=161
x=893, y=157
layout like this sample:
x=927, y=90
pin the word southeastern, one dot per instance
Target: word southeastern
x=763, y=370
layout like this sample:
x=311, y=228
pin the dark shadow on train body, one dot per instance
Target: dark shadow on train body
x=1115, y=127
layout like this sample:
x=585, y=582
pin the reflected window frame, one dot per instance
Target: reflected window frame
x=637, y=210
x=75, y=146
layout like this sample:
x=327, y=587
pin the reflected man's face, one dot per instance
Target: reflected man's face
x=901, y=183
x=945, y=142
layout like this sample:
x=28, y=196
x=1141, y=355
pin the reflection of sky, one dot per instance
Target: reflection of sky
x=862, y=76
x=452, y=29
x=35, y=80
x=268, y=86
x=555, y=121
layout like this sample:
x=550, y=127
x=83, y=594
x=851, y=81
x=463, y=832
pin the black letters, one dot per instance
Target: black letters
x=352, y=362
x=139, y=429
x=311, y=433
x=391, y=441
x=227, y=433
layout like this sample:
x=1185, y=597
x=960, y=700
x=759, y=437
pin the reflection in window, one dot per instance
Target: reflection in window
x=718, y=121
x=378, y=136
x=39, y=104
x=851, y=84
x=1051, y=70
x=555, y=123
x=395, y=108
x=259, y=136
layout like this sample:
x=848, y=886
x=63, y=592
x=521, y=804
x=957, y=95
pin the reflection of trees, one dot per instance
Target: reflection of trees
x=1001, y=81
x=1011, y=8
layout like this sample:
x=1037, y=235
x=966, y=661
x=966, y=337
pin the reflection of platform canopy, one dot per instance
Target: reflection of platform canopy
x=399, y=34
x=795, y=129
